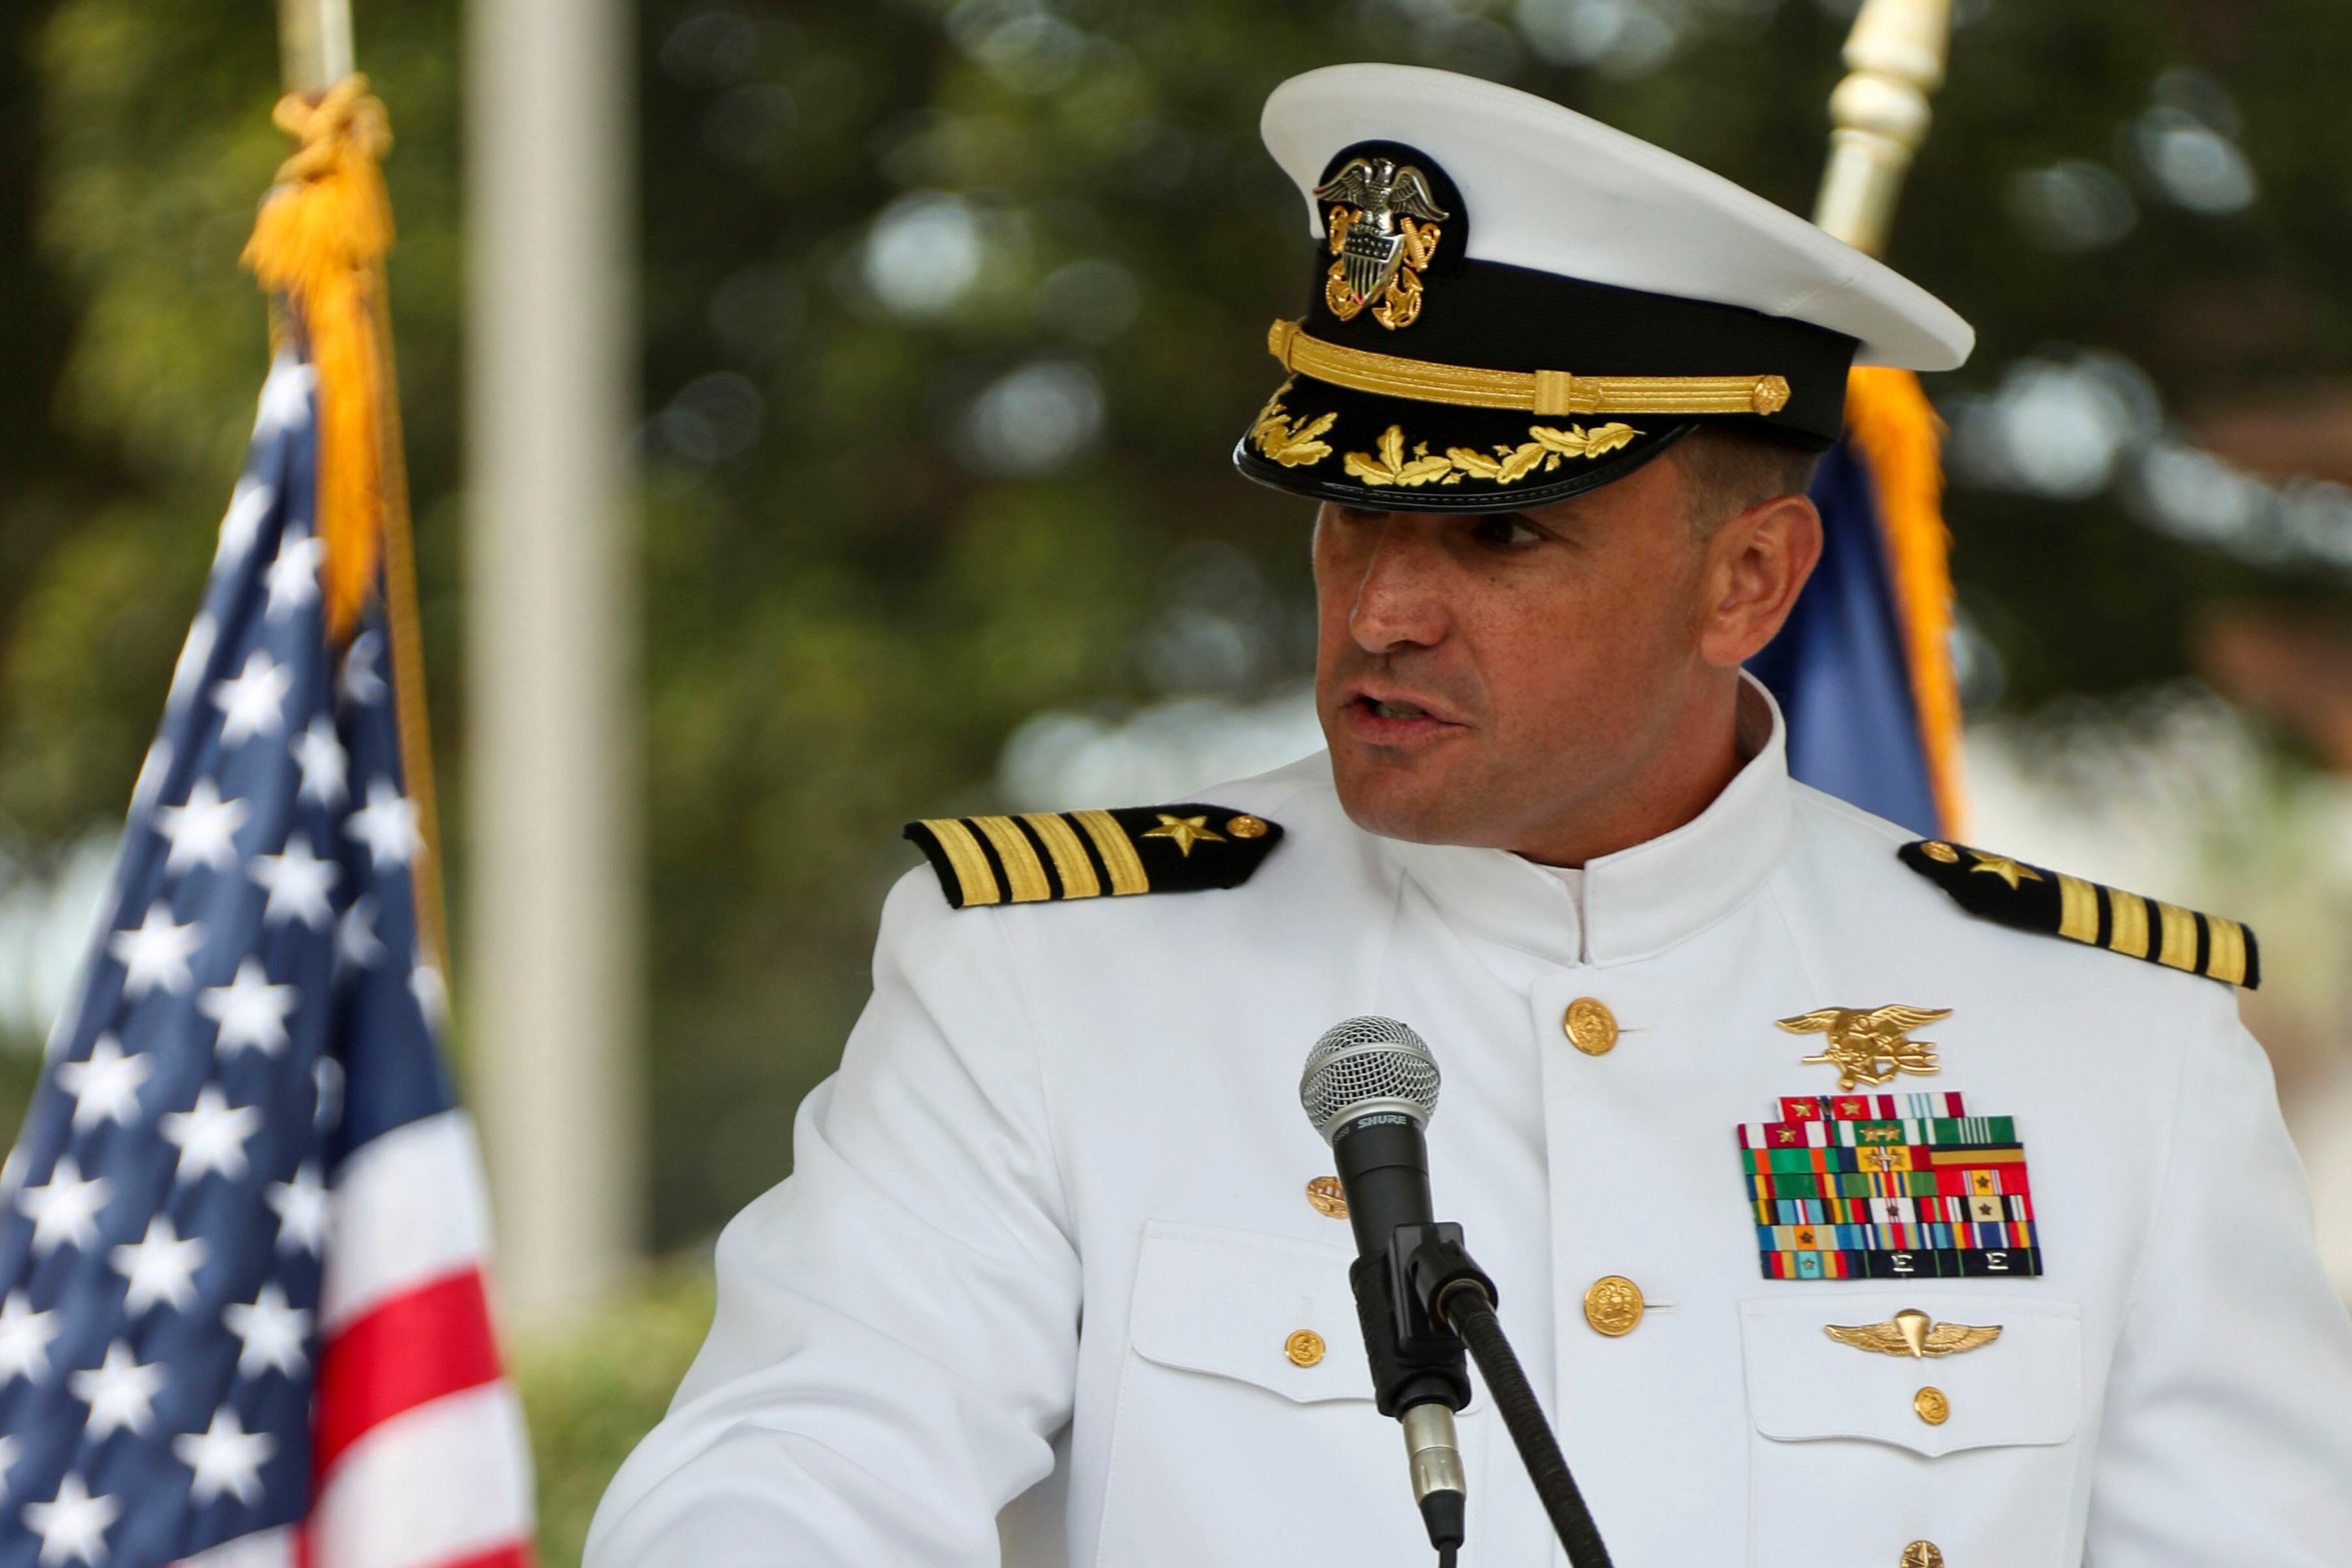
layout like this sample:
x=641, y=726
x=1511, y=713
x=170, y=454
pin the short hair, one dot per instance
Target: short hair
x=1725, y=471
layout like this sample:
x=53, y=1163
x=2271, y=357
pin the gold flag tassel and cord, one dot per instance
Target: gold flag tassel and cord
x=1894, y=58
x=319, y=247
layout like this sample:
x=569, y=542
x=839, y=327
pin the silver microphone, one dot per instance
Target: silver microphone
x=1367, y=1065
x=1368, y=1088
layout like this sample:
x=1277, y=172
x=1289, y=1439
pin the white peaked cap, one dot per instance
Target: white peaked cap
x=1558, y=192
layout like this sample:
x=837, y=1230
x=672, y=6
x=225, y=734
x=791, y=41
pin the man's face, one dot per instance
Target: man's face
x=1488, y=679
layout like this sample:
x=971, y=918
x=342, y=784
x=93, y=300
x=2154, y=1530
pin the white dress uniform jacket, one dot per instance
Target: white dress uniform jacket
x=1046, y=1244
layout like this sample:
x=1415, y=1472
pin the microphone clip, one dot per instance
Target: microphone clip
x=1416, y=1357
x=1428, y=1261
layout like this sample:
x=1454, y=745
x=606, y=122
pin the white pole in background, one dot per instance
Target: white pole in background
x=551, y=986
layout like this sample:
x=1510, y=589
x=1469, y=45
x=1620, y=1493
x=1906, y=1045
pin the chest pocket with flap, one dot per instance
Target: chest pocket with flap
x=1839, y=1432
x=1224, y=1448
x=1230, y=1301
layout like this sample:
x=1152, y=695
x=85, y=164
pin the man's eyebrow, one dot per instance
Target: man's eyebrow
x=1544, y=520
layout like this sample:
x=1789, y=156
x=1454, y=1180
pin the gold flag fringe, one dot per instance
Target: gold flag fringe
x=319, y=246
x=1890, y=421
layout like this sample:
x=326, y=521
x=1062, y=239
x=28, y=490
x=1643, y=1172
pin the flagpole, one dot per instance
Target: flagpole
x=314, y=43
x=316, y=55
x=1894, y=58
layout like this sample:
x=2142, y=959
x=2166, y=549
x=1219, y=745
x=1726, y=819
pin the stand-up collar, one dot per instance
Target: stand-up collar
x=1638, y=902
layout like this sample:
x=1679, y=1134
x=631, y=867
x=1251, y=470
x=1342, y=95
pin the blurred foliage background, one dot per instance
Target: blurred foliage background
x=951, y=314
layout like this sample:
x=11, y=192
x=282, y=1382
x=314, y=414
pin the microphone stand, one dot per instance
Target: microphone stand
x=1443, y=1300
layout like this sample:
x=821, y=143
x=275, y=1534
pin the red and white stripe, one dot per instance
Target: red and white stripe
x=417, y=1443
x=418, y=1452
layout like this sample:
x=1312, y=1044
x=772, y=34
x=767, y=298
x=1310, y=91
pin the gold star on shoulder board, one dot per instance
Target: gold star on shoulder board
x=1186, y=831
x=2001, y=866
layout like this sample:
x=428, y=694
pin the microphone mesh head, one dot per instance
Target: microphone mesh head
x=1368, y=1065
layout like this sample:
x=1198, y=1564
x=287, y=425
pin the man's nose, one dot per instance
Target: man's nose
x=1397, y=604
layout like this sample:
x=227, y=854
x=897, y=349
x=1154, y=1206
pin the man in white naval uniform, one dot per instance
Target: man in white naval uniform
x=1056, y=1269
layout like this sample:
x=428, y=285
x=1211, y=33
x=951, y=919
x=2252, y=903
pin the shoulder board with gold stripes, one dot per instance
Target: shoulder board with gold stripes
x=2033, y=898
x=1039, y=856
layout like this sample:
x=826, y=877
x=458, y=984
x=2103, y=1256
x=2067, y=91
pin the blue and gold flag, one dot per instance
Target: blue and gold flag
x=1863, y=670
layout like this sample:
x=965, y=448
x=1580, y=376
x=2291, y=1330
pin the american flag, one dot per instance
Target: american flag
x=242, y=1319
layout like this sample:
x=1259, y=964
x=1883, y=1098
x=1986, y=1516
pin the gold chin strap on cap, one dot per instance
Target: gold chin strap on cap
x=1534, y=391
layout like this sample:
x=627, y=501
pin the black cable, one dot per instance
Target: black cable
x=1446, y=1557
x=1466, y=1306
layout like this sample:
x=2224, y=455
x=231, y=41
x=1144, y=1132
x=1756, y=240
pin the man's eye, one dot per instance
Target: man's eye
x=1505, y=529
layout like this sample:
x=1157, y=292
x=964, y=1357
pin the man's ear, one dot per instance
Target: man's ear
x=1758, y=563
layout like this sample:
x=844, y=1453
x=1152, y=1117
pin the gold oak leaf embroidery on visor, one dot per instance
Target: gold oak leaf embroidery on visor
x=1511, y=464
x=1287, y=441
x=1508, y=467
x=1392, y=468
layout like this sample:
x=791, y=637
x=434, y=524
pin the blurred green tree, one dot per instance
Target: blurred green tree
x=951, y=314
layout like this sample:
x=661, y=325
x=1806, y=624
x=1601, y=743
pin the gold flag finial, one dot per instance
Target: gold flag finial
x=1895, y=58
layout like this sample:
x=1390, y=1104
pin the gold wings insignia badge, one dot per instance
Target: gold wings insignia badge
x=1382, y=249
x=1869, y=1047
x=1914, y=1334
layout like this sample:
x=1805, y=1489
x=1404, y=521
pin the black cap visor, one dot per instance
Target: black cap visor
x=1388, y=454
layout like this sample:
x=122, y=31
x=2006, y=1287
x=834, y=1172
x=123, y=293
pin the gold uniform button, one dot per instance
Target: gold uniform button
x=1612, y=1305
x=1921, y=1555
x=1246, y=827
x=1327, y=1197
x=1304, y=1348
x=1937, y=850
x=1589, y=1026
x=1932, y=1407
